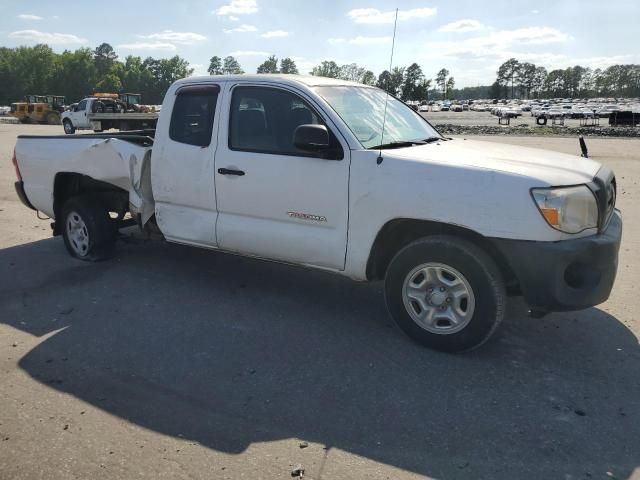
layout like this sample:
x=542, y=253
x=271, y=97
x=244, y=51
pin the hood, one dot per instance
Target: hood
x=546, y=167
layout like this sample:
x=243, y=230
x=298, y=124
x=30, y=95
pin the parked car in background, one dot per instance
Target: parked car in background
x=607, y=110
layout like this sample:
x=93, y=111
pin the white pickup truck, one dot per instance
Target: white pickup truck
x=298, y=170
x=88, y=114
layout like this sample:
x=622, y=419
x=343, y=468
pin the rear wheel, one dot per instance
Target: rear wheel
x=69, y=129
x=445, y=293
x=53, y=118
x=88, y=231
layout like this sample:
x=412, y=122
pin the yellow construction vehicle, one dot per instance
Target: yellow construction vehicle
x=39, y=109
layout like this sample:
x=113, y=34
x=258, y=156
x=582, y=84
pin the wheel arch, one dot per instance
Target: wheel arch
x=399, y=232
x=69, y=184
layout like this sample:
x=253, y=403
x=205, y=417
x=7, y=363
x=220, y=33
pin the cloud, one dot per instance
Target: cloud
x=199, y=69
x=359, y=40
x=46, y=37
x=231, y=18
x=182, y=38
x=238, y=7
x=462, y=26
x=249, y=53
x=275, y=34
x=498, y=44
x=26, y=16
x=377, y=17
x=241, y=29
x=161, y=46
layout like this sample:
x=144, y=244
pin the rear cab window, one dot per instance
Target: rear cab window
x=193, y=115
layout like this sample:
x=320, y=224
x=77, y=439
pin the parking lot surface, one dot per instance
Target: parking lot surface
x=175, y=362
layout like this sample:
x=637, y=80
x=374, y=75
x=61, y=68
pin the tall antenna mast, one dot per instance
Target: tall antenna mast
x=386, y=101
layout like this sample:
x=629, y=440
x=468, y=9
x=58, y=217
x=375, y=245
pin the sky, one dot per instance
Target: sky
x=469, y=38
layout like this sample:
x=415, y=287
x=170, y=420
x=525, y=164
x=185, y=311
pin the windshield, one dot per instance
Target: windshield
x=362, y=109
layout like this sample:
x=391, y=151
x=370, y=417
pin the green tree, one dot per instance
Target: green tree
x=328, y=68
x=539, y=79
x=421, y=90
x=231, y=66
x=75, y=75
x=270, y=65
x=441, y=81
x=368, y=78
x=384, y=81
x=215, y=66
x=288, y=66
x=525, y=77
x=104, y=57
x=450, y=84
x=109, y=83
x=507, y=73
x=412, y=78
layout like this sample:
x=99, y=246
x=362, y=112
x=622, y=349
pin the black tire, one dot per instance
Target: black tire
x=479, y=271
x=53, y=118
x=69, y=129
x=99, y=229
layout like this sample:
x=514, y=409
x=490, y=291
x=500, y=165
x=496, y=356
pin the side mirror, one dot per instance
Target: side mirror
x=311, y=138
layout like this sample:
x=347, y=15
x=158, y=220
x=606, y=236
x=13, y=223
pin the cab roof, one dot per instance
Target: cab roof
x=306, y=80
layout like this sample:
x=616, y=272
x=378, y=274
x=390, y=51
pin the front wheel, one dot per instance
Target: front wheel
x=445, y=293
x=69, y=129
x=88, y=232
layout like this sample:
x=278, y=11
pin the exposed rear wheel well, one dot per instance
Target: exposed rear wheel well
x=68, y=185
x=400, y=232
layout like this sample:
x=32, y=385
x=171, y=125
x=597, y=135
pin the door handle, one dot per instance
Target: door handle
x=227, y=171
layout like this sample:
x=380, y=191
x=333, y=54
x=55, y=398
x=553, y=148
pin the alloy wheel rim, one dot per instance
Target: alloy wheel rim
x=438, y=298
x=78, y=234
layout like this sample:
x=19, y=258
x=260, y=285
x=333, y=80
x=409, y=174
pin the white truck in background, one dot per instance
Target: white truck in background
x=89, y=114
x=299, y=170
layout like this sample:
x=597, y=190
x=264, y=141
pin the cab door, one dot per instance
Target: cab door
x=275, y=201
x=182, y=164
x=79, y=116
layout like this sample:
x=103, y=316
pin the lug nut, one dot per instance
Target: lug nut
x=442, y=289
x=448, y=299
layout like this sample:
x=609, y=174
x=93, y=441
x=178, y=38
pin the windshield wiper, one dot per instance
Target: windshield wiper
x=433, y=139
x=398, y=144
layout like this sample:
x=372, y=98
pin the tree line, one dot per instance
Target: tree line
x=515, y=79
x=75, y=74
x=408, y=83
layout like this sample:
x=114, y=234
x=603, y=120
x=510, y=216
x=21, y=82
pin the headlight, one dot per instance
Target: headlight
x=568, y=209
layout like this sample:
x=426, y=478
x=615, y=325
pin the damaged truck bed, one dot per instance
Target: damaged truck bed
x=121, y=162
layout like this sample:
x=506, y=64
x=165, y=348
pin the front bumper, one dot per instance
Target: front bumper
x=566, y=275
x=22, y=195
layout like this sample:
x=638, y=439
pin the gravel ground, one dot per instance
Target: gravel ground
x=174, y=362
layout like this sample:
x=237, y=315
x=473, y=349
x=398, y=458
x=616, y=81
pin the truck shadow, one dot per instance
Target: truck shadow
x=229, y=351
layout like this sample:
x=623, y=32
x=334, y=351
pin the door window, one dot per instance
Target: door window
x=265, y=119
